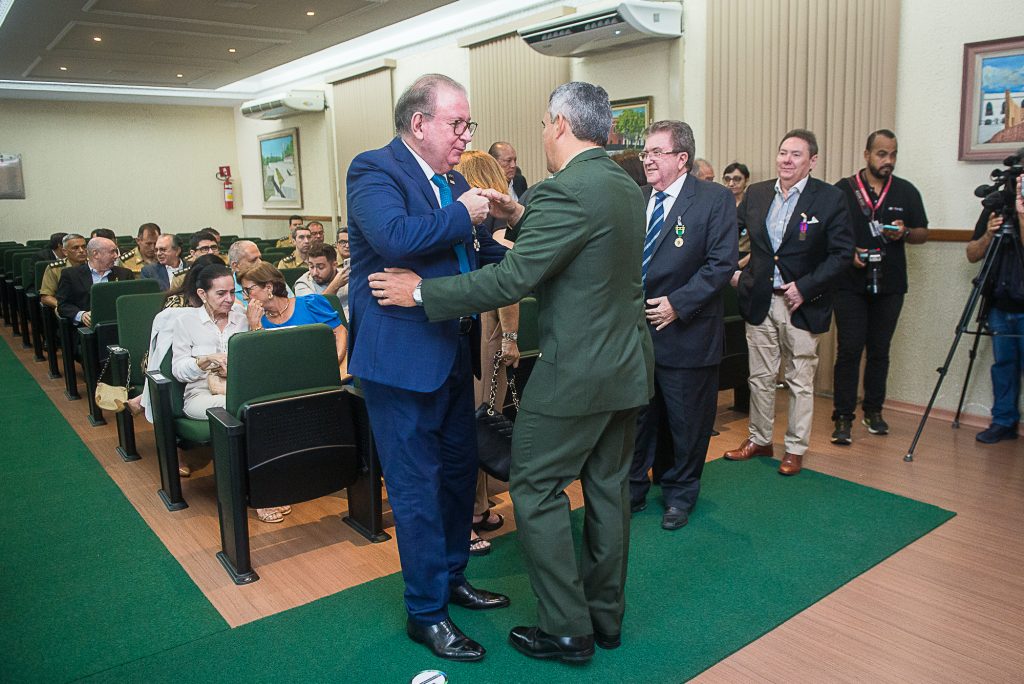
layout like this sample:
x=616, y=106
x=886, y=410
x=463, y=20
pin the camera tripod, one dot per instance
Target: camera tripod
x=1005, y=233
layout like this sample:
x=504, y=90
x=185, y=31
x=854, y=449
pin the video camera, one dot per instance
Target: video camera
x=872, y=259
x=1001, y=196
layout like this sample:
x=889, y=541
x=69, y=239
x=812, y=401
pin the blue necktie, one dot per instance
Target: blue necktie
x=445, y=191
x=653, y=230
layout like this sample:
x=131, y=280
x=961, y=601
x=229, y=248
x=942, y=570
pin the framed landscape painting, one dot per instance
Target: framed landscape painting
x=279, y=164
x=992, y=99
x=629, y=119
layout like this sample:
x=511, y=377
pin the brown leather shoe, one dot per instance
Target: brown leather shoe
x=791, y=464
x=748, y=450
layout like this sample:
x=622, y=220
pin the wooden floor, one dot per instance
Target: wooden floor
x=948, y=608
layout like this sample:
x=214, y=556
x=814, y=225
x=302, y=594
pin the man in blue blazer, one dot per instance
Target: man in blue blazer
x=690, y=252
x=168, y=261
x=408, y=209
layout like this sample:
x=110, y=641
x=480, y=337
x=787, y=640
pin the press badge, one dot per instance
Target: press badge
x=876, y=228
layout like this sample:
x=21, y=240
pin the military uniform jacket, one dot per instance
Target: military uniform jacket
x=579, y=248
x=293, y=260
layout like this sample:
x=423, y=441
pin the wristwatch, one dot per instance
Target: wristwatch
x=510, y=336
x=417, y=295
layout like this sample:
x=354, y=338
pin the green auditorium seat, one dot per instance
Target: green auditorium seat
x=135, y=314
x=38, y=244
x=22, y=283
x=289, y=432
x=36, y=313
x=292, y=274
x=172, y=429
x=102, y=331
x=336, y=303
x=734, y=369
x=11, y=270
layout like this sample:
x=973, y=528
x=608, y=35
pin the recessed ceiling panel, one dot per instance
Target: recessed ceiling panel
x=271, y=14
x=120, y=71
x=170, y=43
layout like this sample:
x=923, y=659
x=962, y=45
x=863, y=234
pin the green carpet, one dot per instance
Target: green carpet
x=84, y=582
x=88, y=590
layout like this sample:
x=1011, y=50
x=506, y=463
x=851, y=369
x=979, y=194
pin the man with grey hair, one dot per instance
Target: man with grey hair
x=703, y=170
x=408, y=208
x=75, y=285
x=689, y=256
x=579, y=249
x=242, y=254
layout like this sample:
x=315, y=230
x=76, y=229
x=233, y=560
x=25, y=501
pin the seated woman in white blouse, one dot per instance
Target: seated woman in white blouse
x=200, y=350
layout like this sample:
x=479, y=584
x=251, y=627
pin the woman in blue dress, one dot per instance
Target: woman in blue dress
x=270, y=307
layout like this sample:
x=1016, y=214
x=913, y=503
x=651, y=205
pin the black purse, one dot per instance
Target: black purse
x=494, y=429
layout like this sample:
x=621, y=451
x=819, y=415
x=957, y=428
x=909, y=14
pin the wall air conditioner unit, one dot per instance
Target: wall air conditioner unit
x=621, y=24
x=285, y=104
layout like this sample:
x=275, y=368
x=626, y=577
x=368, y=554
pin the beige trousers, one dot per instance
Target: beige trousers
x=777, y=341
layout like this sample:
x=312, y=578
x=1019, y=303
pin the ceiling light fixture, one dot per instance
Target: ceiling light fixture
x=63, y=68
x=310, y=13
x=232, y=50
x=180, y=75
x=97, y=39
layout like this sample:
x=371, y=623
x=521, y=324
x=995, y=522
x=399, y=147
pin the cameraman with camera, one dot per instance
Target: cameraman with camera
x=886, y=212
x=1004, y=295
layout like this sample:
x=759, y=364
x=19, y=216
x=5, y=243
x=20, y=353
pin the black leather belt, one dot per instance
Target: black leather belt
x=465, y=325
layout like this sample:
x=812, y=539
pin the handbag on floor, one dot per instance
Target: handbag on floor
x=112, y=397
x=494, y=429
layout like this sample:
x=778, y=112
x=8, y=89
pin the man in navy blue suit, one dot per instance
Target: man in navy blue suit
x=689, y=255
x=408, y=209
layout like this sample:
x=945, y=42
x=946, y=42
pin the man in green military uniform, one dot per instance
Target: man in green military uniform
x=145, y=248
x=300, y=257
x=579, y=249
x=74, y=254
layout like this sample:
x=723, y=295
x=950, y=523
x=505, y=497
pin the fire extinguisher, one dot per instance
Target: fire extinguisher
x=224, y=174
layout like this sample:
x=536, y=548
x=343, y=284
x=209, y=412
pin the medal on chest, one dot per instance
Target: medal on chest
x=680, y=231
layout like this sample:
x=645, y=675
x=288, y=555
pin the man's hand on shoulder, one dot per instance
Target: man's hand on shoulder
x=394, y=286
x=476, y=204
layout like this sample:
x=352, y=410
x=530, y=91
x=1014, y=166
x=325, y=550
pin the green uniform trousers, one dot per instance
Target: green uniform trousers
x=548, y=454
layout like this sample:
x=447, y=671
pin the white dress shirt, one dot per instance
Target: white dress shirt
x=195, y=334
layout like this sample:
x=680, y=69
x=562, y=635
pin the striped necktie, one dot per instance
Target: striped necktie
x=445, y=190
x=653, y=230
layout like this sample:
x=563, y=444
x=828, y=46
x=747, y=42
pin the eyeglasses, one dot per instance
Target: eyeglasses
x=729, y=180
x=656, y=154
x=247, y=291
x=209, y=249
x=460, y=127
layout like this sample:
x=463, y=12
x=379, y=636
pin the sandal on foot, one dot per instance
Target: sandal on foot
x=485, y=524
x=284, y=510
x=269, y=515
x=479, y=546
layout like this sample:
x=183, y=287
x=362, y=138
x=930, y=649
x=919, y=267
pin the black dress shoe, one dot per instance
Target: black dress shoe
x=637, y=506
x=536, y=643
x=466, y=596
x=607, y=641
x=445, y=640
x=674, y=518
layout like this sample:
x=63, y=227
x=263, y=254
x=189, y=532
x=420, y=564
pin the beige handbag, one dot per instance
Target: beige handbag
x=112, y=397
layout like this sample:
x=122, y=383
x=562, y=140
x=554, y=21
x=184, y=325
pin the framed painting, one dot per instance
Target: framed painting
x=992, y=99
x=279, y=164
x=629, y=119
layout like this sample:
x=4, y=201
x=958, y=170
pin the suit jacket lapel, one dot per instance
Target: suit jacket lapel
x=679, y=207
x=412, y=168
x=802, y=205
